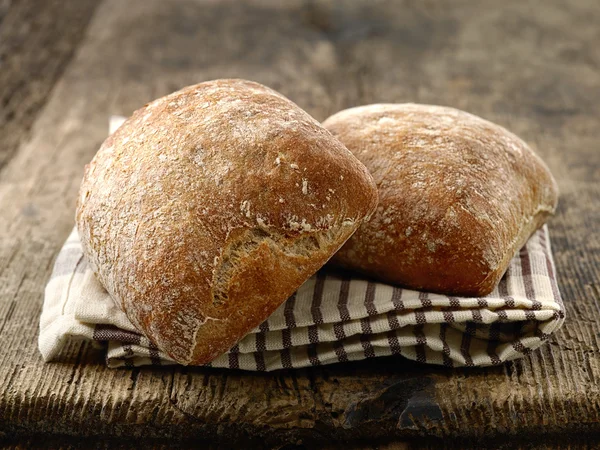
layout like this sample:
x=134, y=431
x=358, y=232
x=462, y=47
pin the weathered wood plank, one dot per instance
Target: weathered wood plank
x=74, y=443
x=537, y=73
x=37, y=40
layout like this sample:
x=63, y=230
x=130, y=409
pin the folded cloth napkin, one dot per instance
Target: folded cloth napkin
x=333, y=317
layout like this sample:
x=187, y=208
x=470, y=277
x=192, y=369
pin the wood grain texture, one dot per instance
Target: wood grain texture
x=531, y=67
x=37, y=40
x=74, y=443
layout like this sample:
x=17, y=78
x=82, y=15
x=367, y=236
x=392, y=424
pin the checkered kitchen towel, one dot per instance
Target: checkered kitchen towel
x=333, y=317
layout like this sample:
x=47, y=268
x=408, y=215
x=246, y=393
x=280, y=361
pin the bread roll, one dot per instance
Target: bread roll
x=458, y=196
x=210, y=206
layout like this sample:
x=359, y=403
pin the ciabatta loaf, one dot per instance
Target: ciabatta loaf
x=458, y=196
x=210, y=206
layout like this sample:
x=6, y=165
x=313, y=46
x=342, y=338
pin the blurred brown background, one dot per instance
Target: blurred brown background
x=65, y=66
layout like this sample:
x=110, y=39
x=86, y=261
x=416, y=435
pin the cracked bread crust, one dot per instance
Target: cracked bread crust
x=209, y=207
x=458, y=196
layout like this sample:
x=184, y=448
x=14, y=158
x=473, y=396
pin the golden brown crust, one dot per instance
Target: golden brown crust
x=210, y=206
x=458, y=196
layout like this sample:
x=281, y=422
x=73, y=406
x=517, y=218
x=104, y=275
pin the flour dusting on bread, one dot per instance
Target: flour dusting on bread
x=199, y=213
x=458, y=196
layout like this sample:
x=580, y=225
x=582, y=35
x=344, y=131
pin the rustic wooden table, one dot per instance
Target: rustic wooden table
x=66, y=66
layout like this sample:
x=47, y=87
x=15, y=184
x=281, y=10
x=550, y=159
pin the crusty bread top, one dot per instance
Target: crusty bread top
x=199, y=186
x=457, y=195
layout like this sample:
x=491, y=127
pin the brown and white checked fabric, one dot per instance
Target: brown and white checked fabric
x=333, y=317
